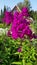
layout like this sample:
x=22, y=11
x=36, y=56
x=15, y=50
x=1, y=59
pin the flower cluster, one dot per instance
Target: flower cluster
x=20, y=28
x=20, y=24
x=25, y=11
x=8, y=17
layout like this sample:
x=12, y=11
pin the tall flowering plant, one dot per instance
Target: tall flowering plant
x=19, y=23
x=20, y=28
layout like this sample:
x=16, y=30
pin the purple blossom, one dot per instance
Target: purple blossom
x=25, y=11
x=8, y=17
x=20, y=28
x=19, y=50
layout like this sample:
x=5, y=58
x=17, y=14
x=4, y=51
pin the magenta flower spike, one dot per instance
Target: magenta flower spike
x=8, y=18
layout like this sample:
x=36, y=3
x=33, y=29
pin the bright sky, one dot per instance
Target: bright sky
x=12, y=3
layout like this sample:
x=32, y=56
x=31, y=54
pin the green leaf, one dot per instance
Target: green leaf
x=28, y=63
x=19, y=63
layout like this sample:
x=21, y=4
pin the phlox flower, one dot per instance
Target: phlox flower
x=8, y=18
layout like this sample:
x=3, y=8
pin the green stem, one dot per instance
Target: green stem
x=23, y=62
